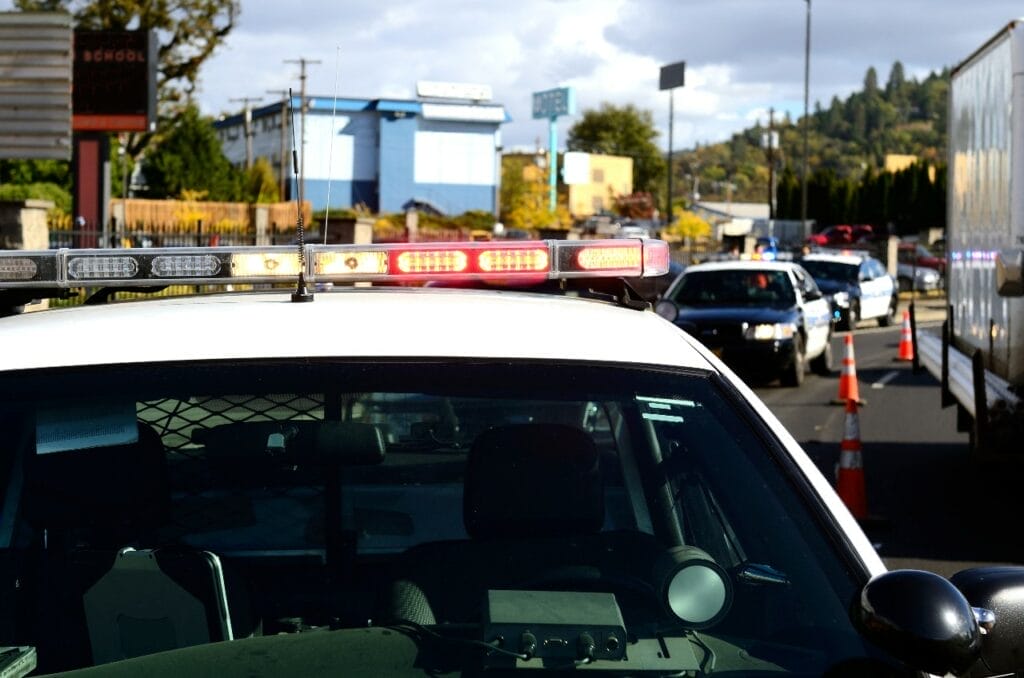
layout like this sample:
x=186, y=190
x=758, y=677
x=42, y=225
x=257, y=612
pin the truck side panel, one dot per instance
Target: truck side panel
x=984, y=210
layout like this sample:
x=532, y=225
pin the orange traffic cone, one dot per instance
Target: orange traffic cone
x=906, y=350
x=848, y=388
x=850, y=476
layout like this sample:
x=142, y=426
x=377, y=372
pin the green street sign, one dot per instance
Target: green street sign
x=554, y=102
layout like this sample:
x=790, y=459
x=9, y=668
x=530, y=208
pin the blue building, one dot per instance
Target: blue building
x=381, y=153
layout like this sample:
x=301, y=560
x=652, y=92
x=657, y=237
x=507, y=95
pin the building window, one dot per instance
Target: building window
x=597, y=203
x=597, y=176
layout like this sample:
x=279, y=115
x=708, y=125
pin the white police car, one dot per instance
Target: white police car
x=399, y=480
x=857, y=285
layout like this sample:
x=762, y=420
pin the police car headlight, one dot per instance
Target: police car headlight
x=773, y=332
x=841, y=299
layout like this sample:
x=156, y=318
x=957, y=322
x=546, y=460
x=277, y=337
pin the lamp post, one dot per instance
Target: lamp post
x=807, y=78
x=670, y=77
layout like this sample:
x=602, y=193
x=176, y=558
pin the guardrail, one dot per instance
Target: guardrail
x=999, y=398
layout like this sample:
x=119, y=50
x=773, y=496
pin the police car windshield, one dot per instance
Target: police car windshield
x=735, y=287
x=831, y=270
x=330, y=489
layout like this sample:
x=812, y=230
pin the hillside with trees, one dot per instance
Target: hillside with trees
x=847, y=146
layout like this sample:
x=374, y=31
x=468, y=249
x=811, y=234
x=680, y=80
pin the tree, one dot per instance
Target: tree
x=688, y=225
x=260, y=183
x=190, y=158
x=871, y=83
x=628, y=131
x=525, y=196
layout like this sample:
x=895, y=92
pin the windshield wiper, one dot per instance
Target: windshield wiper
x=758, y=573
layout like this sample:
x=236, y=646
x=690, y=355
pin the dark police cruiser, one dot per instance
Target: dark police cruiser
x=763, y=318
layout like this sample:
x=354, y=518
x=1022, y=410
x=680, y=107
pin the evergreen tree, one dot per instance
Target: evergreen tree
x=871, y=83
x=190, y=158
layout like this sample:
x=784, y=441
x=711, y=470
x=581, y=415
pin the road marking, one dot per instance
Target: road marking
x=886, y=378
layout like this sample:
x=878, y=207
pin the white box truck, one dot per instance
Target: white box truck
x=979, y=358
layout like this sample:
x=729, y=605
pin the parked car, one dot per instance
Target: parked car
x=914, y=253
x=843, y=234
x=840, y=234
x=857, y=286
x=765, y=319
x=924, y=279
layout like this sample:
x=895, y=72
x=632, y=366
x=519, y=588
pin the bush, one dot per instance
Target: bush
x=38, y=191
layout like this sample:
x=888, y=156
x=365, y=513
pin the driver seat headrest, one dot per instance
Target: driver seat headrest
x=533, y=480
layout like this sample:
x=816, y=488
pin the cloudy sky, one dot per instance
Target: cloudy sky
x=743, y=56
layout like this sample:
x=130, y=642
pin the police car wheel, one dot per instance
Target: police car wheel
x=890, y=314
x=851, y=317
x=822, y=365
x=794, y=374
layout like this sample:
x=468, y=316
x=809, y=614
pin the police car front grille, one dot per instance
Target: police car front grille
x=720, y=334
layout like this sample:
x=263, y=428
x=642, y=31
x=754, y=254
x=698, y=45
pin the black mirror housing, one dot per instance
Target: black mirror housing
x=1001, y=591
x=921, y=619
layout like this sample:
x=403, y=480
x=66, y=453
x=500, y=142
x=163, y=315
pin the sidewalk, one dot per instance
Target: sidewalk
x=927, y=307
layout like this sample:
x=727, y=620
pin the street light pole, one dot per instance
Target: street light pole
x=807, y=80
x=670, y=77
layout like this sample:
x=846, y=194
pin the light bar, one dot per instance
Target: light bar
x=523, y=261
x=27, y=268
x=145, y=266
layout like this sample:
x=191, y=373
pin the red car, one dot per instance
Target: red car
x=840, y=234
x=913, y=253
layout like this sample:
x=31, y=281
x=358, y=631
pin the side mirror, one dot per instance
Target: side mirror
x=667, y=310
x=999, y=590
x=921, y=619
x=1009, y=276
x=812, y=295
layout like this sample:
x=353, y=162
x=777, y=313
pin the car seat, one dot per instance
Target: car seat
x=98, y=597
x=533, y=502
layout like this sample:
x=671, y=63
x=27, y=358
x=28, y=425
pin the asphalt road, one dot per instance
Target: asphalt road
x=931, y=506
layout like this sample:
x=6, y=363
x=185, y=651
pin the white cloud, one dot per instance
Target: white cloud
x=743, y=56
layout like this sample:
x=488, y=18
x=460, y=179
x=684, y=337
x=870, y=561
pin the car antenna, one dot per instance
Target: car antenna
x=330, y=147
x=301, y=293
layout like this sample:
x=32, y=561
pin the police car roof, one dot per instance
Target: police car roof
x=853, y=259
x=741, y=264
x=356, y=322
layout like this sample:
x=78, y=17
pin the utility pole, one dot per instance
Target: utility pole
x=807, y=81
x=283, y=163
x=770, y=142
x=303, y=62
x=247, y=117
